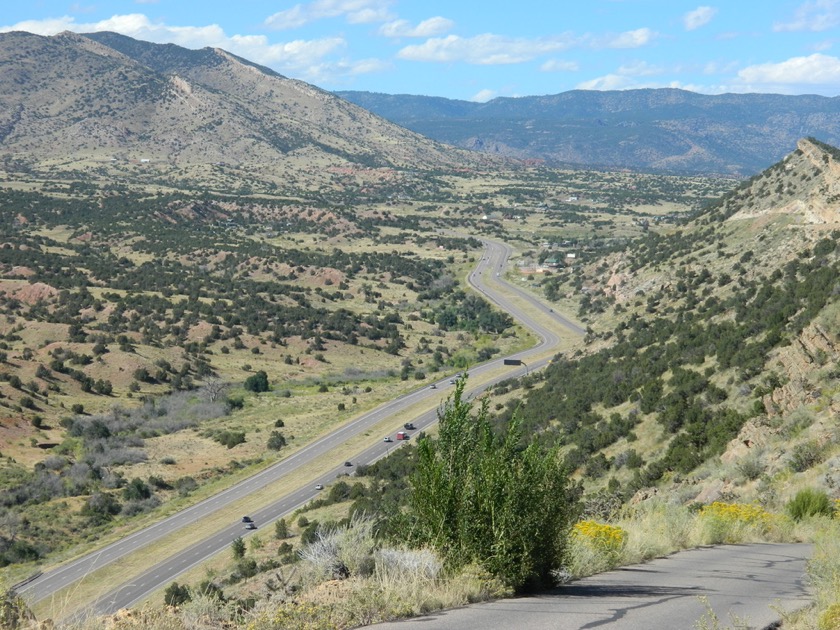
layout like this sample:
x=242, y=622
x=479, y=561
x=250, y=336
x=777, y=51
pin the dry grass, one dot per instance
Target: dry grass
x=399, y=583
x=655, y=528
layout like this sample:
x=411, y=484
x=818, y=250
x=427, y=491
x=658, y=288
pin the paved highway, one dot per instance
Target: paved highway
x=489, y=267
x=745, y=585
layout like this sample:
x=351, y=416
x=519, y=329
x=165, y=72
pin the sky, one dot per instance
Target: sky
x=476, y=51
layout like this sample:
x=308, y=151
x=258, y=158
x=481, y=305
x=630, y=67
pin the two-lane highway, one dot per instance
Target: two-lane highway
x=486, y=274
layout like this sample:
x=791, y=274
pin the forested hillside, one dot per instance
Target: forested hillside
x=723, y=329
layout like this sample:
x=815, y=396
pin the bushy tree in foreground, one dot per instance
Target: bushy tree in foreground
x=479, y=496
x=257, y=382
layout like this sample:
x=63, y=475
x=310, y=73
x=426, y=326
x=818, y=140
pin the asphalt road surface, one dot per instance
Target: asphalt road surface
x=194, y=552
x=745, y=586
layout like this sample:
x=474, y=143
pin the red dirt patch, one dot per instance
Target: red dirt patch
x=199, y=331
x=23, y=272
x=12, y=430
x=33, y=293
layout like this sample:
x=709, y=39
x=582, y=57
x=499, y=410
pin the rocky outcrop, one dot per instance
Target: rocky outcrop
x=796, y=365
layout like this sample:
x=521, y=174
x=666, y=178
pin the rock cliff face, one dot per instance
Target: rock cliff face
x=788, y=208
x=799, y=366
x=805, y=187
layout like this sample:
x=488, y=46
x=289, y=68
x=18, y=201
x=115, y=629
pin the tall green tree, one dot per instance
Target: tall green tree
x=237, y=547
x=480, y=496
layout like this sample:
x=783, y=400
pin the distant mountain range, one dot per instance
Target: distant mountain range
x=91, y=103
x=101, y=103
x=657, y=129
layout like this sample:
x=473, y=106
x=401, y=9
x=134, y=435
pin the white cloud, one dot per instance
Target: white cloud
x=607, y=82
x=483, y=96
x=134, y=25
x=369, y=15
x=354, y=11
x=639, y=69
x=719, y=68
x=816, y=15
x=311, y=60
x=297, y=54
x=559, y=65
x=338, y=72
x=487, y=49
x=51, y=26
x=699, y=17
x=622, y=82
x=826, y=44
x=816, y=69
x=632, y=39
x=427, y=28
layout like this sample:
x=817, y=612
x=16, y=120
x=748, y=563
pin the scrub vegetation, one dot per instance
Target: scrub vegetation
x=184, y=343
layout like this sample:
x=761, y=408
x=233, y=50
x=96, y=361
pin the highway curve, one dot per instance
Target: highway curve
x=487, y=272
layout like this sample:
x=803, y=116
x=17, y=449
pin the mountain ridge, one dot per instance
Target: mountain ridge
x=94, y=102
x=659, y=129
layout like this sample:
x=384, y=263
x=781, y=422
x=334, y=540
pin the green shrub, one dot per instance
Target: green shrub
x=809, y=502
x=276, y=441
x=230, y=438
x=176, y=594
x=750, y=467
x=805, y=455
x=480, y=498
x=235, y=402
x=257, y=382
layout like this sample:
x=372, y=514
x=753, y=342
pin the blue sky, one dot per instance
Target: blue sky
x=472, y=50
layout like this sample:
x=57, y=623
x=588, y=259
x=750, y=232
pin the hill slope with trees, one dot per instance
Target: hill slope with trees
x=104, y=106
x=708, y=343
